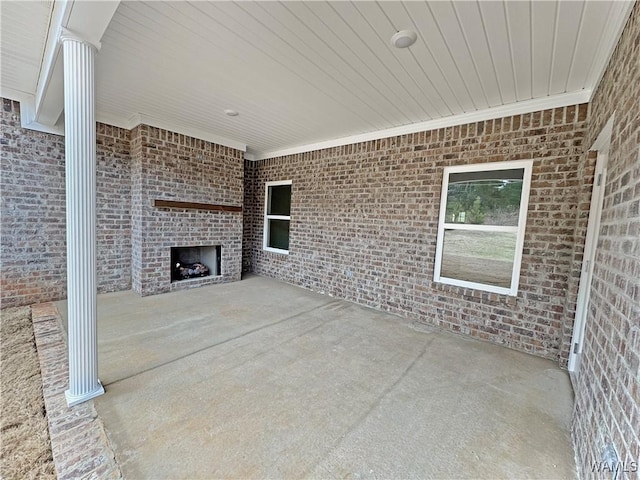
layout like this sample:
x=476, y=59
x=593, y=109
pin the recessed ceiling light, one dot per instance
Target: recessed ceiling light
x=404, y=38
x=231, y=113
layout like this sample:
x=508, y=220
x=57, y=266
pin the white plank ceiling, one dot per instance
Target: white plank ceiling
x=23, y=33
x=300, y=73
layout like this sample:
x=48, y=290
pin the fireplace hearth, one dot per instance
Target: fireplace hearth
x=195, y=262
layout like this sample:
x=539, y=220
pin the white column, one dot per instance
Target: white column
x=80, y=154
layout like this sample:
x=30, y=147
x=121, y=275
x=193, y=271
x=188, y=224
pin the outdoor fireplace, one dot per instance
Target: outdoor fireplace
x=195, y=262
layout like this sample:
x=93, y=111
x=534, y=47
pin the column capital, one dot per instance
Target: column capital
x=67, y=35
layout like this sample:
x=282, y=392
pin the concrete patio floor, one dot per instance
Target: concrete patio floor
x=260, y=379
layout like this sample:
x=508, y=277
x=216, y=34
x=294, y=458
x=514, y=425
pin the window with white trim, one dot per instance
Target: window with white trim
x=483, y=212
x=277, y=216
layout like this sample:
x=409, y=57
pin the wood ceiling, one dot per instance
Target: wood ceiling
x=304, y=73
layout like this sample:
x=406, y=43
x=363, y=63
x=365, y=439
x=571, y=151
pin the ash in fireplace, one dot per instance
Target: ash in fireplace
x=182, y=271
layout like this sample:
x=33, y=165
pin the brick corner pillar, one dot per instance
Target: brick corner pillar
x=80, y=155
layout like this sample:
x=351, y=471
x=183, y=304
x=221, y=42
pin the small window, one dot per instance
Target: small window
x=483, y=212
x=277, y=216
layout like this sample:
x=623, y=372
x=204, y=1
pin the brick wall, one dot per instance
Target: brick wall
x=133, y=237
x=113, y=208
x=171, y=166
x=136, y=208
x=248, y=213
x=607, y=407
x=586, y=171
x=364, y=223
x=33, y=238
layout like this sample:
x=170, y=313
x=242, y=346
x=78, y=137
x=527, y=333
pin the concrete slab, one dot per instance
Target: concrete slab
x=261, y=379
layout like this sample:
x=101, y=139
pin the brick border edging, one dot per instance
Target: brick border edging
x=79, y=442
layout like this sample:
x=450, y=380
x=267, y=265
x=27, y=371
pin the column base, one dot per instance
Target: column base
x=76, y=399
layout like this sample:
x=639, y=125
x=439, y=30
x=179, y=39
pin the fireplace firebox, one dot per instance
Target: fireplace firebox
x=196, y=261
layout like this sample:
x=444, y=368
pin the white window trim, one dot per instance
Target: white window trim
x=265, y=232
x=527, y=165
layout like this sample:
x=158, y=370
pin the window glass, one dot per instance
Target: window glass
x=480, y=257
x=279, y=234
x=485, y=198
x=279, y=200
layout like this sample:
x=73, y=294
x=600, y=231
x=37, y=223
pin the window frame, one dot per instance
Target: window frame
x=267, y=217
x=527, y=165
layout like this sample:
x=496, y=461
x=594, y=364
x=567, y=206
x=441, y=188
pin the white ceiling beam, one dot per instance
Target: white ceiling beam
x=88, y=20
x=48, y=96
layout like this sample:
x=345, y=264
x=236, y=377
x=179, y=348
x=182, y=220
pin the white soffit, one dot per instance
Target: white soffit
x=308, y=75
x=23, y=33
x=40, y=87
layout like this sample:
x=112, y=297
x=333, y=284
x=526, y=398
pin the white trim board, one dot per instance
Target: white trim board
x=518, y=108
x=601, y=145
x=614, y=29
x=141, y=118
x=16, y=95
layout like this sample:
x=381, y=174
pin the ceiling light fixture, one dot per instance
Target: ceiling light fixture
x=404, y=38
x=231, y=113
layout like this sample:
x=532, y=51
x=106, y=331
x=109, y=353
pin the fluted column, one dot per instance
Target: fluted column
x=80, y=154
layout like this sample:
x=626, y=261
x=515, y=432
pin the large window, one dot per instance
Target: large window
x=277, y=216
x=483, y=212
